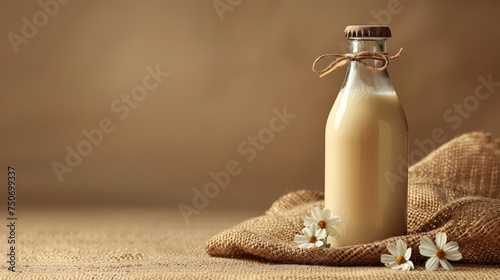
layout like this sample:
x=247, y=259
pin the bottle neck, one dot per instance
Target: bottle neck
x=372, y=45
x=358, y=75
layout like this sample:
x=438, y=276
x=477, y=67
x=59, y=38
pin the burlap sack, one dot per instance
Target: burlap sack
x=455, y=189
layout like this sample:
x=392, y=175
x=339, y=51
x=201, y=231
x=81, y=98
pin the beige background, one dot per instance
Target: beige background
x=225, y=79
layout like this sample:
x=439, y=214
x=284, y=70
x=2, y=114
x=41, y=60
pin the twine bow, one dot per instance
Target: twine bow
x=343, y=59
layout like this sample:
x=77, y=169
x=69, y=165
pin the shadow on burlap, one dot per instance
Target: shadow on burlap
x=455, y=189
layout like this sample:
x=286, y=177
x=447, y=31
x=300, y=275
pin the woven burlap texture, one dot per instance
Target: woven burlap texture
x=455, y=189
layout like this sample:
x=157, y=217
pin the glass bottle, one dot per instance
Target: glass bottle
x=366, y=148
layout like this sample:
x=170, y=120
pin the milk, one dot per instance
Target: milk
x=366, y=151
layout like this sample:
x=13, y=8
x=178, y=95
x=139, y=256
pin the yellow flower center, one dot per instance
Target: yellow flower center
x=400, y=260
x=322, y=224
x=440, y=254
x=312, y=239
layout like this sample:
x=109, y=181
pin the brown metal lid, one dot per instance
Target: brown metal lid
x=367, y=31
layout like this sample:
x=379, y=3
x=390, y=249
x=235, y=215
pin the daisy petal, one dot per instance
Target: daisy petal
x=405, y=267
x=334, y=220
x=427, y=247
x=410, y=263
x=401, y=246
x=316, y=213
x=391, y=264
x=432, y=263
x=314, y=229
x=407, y=254
x=303, y=244
x=308, y=221
x=321, y=233
x=454, y=255
x=300, y=238
x=385, y=258
x=396, y=267
x=326, y=213
x=393, y=249
x=440, y=239
x=318, y=243
x=307, y=231
x=446, y=264
x=450, y=246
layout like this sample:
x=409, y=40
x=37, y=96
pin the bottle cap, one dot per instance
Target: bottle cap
x=367, y=31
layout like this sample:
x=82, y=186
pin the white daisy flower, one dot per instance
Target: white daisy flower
x=323, y=220
x=399, y=257
x=312, y=237
x=439, y=253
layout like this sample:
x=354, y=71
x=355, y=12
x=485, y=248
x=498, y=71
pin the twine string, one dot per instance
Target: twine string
x=343, y=59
